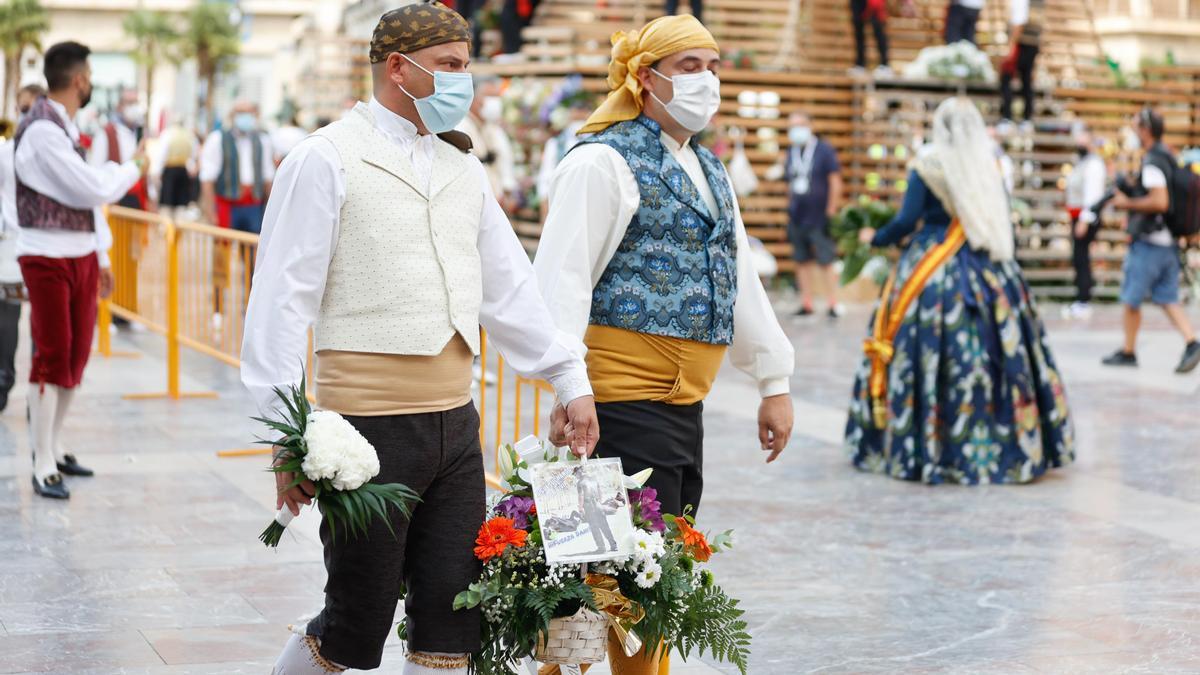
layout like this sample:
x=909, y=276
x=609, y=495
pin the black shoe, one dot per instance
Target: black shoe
x=1191, y=358
x=52, y=487
x=804, y=311
x=71, y=467
x=1120, y=358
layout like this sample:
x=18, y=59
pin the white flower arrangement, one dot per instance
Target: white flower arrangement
x=337, y=452
x=960, y=61
x=324, y=448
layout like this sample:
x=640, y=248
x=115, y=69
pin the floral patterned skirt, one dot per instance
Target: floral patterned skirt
x=973, y=393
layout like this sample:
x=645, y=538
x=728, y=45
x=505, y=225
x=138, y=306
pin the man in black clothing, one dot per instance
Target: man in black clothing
x=1027, y=18
x=697, y=8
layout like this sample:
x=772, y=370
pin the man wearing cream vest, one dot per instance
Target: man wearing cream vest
x=645, y=256
x=384, y=233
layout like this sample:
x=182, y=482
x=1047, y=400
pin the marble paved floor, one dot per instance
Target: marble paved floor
x=153, y=566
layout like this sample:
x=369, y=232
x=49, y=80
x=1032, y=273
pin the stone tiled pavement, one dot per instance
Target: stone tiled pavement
x=153, y=566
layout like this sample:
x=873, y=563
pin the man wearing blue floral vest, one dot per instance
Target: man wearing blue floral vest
x=644, y=255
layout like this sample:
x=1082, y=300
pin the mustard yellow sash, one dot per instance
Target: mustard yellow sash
x=879, y=347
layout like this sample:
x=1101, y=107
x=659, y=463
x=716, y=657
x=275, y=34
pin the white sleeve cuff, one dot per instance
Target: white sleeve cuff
x=774, y=386
x=571, y=385
x=102, y=258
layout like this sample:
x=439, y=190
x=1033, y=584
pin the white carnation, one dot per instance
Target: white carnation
x=337, y=452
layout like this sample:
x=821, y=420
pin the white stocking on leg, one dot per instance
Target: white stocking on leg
x=60, y=414
x=300, y=657
x=43, y=406
x=433, y=663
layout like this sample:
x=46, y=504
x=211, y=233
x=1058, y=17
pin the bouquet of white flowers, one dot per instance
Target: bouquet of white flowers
x=322, y=447
x=959, y=61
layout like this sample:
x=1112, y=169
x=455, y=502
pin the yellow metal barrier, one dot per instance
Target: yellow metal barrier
x=145, y=266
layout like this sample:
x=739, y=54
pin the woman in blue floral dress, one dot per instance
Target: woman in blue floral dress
x=965, y=389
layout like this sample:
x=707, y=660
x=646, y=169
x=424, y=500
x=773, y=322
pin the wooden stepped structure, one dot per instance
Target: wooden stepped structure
x=814, y=35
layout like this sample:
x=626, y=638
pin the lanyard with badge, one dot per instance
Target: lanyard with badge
x=802, y=163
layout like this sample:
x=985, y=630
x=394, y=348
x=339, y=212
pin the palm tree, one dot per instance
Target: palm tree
x=155, y=35
x=211, y=37
x=22, y=23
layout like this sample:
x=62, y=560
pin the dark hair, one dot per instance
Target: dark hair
x=35, y=89
x=1152, y=122
x=61, y=62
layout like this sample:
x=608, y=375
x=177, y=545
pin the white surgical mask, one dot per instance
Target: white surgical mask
x=800, y=135
x=492, y=109
x=696, y=99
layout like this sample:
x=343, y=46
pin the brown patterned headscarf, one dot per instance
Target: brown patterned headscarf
x=417, y=26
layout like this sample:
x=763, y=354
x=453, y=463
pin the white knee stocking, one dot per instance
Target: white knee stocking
x=433, y=663
x=300, y=657
x=43, y=406
x=60, y=413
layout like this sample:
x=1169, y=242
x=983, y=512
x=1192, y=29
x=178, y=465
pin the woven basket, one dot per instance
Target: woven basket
x=581, y=638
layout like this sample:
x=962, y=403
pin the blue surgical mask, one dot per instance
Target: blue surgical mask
x=245, y=122
x=799, y=135
x=451, y=99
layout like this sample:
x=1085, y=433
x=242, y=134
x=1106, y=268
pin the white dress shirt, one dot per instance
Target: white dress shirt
x=212, y=159
x=10, y=271
x=593, y=197
x=1018, y=12
x=1085, y=185
x=47, y=162
x=126, y=144
x=300, y=234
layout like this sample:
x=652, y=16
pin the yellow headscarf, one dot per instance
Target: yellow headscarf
x=656, y=40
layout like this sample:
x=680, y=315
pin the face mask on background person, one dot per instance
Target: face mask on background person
x=452, y=94
x=134, y=116
x=800, y=135
x=696, y=99
x=245, y=122
x=492, y=109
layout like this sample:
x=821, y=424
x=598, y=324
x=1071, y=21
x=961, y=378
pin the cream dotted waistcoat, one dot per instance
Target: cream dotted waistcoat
x=405, y=274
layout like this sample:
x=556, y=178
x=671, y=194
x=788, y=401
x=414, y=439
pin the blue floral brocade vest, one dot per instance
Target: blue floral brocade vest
x=674, y=273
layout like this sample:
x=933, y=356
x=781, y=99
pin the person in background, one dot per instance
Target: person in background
x=555, y=149
x=119, y=139
x=1027, y=18
x=12, y=289
x=672, y=7
x=961, y=18
x=175, y=166
x=489, y=140
x=875, y=11
x=1085, y=187
x=957, y=383
x=236, y=169
x=514, y=17
x=1152, y=266
x=813, y=174
x=286, y=137
x=63, y=252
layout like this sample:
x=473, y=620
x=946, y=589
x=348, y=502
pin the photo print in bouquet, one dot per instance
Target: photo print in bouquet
x=583, y=510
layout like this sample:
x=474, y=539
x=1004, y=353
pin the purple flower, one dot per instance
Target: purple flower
x=518, y=509
x=648, y=509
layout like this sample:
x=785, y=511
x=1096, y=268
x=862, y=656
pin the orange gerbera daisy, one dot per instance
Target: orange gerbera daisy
x=496, y=535
x=694, y=540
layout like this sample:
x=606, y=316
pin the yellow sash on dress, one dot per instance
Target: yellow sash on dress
x=879, y=347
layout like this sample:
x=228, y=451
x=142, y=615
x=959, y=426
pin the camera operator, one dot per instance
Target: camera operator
x=1152, y=266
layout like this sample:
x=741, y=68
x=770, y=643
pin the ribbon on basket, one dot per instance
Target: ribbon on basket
x=622, y=613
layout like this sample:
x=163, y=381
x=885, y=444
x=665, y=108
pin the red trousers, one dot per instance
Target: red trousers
x=63, y=294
